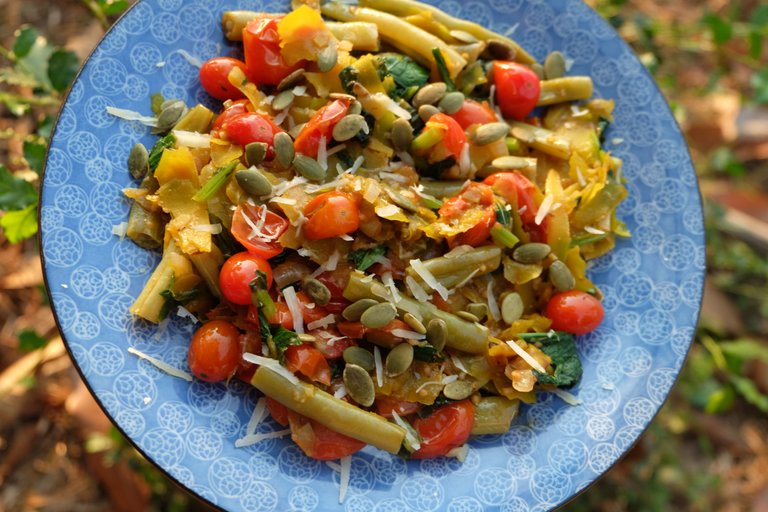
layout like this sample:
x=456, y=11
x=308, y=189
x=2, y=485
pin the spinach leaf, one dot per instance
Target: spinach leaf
x=283, y=339
x=364, y=258
x=561, y=347
x=404, y=71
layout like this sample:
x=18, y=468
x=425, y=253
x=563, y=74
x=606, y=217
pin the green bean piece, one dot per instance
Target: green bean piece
x=216, y=182
x=542, y=139
x=207, y=265
x=331, y=412
x=494, y=415
x=441, y=189
x=569, y=88
x=461, y=335
x=145, y=227
x=451, y=271
x=149, y=304
x=197, y=119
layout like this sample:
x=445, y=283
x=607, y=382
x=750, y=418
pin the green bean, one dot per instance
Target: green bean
x=462, y=335
x=569, y=88
x=494, y=415
x=451, y=271
x=207, y=265
x=149, y=304
x=197, y=119
x=331, y=412
x=145, y=227
x=441, y=189
x=542, y=139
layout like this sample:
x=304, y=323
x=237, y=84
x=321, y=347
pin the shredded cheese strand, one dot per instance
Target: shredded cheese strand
x=161, y=365
x=272, y=365
x=294, y=306
x=528, y=358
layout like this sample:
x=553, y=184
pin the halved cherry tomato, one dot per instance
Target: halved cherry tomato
x=237, y=273
x=446, y=428
x=518, y=191
x=385, y=405
x=478, y=233
x=215, y=351
x=250, y=341
x=517, y=89
x=574, y=311
x=454, y=138
x=247, y=127
x=278, y=411
x=354, y=330
x=318, y=441
x=336, y=281
x=213, y=77
x=260, y=243
x=331, y=214
x=310, y=312
x=308, y=361
x=263, y=59
x=381, y=336
x=474, y=112
x=331, y=344
x=234, y=108
x=472, y=196
x=322, y=123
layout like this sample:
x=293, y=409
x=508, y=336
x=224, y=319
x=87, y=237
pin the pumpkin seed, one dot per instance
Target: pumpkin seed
x=561, y=276
x=466, y=315
x=429, y=94
x=490, y=132
x=437, y=332
x=513, y=162
x=167, y=103
x=255, y=152
x=554, y=66
x=253, y=182
x=354, y=310
x=283, y=100
x=317, y=291
x=414, y=323
x=348, y=127
x=169, y=117
x=402, y=201
x=399, y=360
x=451, y=102
x=478, y=309
x=138, y=161
x=360, y=357
x=327, y=58
x=355, y=108
x=531, y=253
x=512, y=307
x=291, y=80
x=308, y=167
x=284, y=150
x=464, y=37
x=427, y=111
x=359, y=384
x=458, y=390
x=379, y=315
x=538, y=69
x=402, y=134
x=294, y=132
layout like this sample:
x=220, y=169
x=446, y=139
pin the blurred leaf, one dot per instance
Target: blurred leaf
x=749, y=391
x=25, y=38
x=35, y=62
x=62, y=69
x=759, y=17
x=721, y=400
x=15, y=193
x=755, y=44
x=20, y=77
x=45, y=127
x=113, y=7
x=745, y=350
x=722, y=30
x=724, y=160
x=34, y=154
x=760, y=83
x=20, y=224
x=29, y=340
x=98, y=443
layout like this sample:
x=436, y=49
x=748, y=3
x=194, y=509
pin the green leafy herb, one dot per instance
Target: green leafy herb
x=364, y=258
x=157, y=150
x=427, y=353
x=440, y=401
x=561, y=347
x=173, y=299
x=217, y=181
x=404, y=71
x=227, y=243
x=503, y=216
x=15, y=193
x=442, y=69
x=29, y=340
x=260, y=295
x=283, y=339
x=348, y=75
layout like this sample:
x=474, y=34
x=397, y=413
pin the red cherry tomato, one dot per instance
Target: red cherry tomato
x=574, y=311
x=474, y=112
x=250, y=341
x=234, y=108
x=330, y=343
x=308, y=361
x=318, y=441
x=278, y=411
x=260, y=243
x=385, y=405
x=471, y=197
x=237, y=273
x=322, y=123
x=478, y=233
x=215, y=351
x=261, y=45
x=250, y=127
x=518, y=191
x=309, y=312
x=331, y=214
x=517, y=89
x=454, y=138
x=213, y=77
x=446, y=428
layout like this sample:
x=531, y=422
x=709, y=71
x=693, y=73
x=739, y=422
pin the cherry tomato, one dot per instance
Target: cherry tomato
x=322, y=123
x=278, y=411
x=260, y=243
x=517, y=89
x=234, y=108
x=336, y=281
x=479, y=233
x=247, y=127
x=474, y=112
x=250, y=341
x=385, y=405
x=574, y=311
x=518, y=191
x=354, y=330
x=310, y=312
x=261, y=45
x=237, y=273
x=215, y=351
x=318, y=441
x=330, y=215
x=213, y=77
x=471, y=197
x=454, y=138
x=446, y=428
x=331, y=344
x=308, y=361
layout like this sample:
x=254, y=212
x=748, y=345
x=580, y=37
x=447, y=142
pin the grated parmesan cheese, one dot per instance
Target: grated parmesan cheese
x=132, y=115
x=344, y=475
x=416, y=289
x=183, y=312
x=341, y=392
x=214, y=229
x=389, y=282
x=546, y=206
x=412, y=440
x=459, y=364
x=347, y=238
x=566, y=396
x=528, y=358
x=161, y=365
x=408, y=334
x=594, y=231
x=322, y=322
x=283, y=200
x=259, y=413
x=190, y=58
x=464, y=161
x=251, y=439
x=294, y=306
x=192, y=139
x=431, y=281
x=120, y=230
x=272, y=365
x=493, y=305
x=459, y=453
x=322, y=153
x=379, y=366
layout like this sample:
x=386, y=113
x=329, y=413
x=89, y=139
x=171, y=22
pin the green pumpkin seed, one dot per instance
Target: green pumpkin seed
x=253, y=182
x=464, y=37
x=309, y=168
x=167, y=103
x=414, y=323
x=399, y=360
x=379, y=315
x=360, y=357
x=437, y=333
x=458, y=390
x=283, y=100
x=512, y=307
x=356, y=309
x=478, y=309
x=513, y=162
x=402, y=134
x=531, y=253
x=293, y=79
x=327, y=58
x=402, y=201
x=427, y=111
x=429, y=94
x=284, y=150
x=561, y=277
x=138, y=161
x=451, y=102
x=169, y=117
x=348, y=127
x=554, y=66
x=255, y=152
x=466, y=315
x=538, y=69
x=355, y=108
x=359, y=384
x=490, y=132
x=317, y=291
x=294, y=132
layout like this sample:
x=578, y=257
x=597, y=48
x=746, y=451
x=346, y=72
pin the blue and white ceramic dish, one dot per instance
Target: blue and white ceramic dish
x=652, y=285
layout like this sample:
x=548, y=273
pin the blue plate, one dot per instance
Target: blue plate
x=652, y=285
